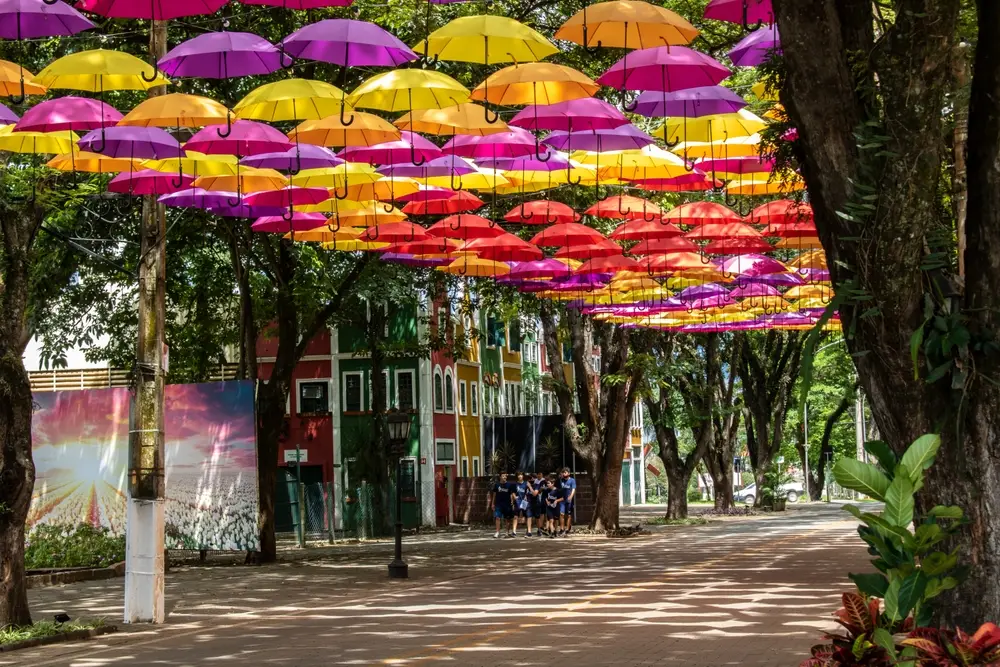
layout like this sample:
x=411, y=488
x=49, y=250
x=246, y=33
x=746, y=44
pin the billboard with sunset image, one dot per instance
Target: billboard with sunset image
x=80, y=447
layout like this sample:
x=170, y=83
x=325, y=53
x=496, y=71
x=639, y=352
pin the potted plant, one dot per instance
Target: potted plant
x=772, y=493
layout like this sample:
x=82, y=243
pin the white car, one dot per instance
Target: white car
x=747, y=495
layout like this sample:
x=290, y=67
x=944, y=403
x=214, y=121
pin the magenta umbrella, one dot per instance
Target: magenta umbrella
x=516, y=142
x=737, y=165
x=756, y=48
x=585, y=113
x=409, y=148
x=449, y=165
x=750, y=265
x=287, y=197
x=542, y=268
x=299, y=222
x=626, y=137
x=221, y=55
x=348, y=43
x=7, y=117
x=198, y=198
x=148, y=182
x=157, y=10
x=227, y=210
x=35, y=19
x=68, y=113
x=742, y=12
x=300, y=5
x=295, y=159
x=664, y=68
x=244, y=137
x=754, y=290
x=689, y=103
x=428, y=193
x=132, y=142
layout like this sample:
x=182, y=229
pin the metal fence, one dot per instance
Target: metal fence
x=306, y=509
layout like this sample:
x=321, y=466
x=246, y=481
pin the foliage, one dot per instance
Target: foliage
x=51, y=546
x=940, y=647
x=11, y=635
x=774, y=478
x=868, y=640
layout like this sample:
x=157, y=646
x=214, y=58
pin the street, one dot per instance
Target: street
x=746, y=591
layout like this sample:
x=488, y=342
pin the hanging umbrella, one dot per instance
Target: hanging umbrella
x=760, y=90
x=710, y=128
x=704, y=213
x=7, y=117
x=433, y=247
x=464, y=119
x=15, y=82
x=364, y=214
x=148, y=182
x=611, y=264
x=624, y=207
x=195, y=197
x=460, y=202
x=504, y=247
x=567, y=233
x=365, y=129
x=781, y=212
x=407, y=90
x=751, y=265
x=334, y=177
x=347, y=43
x=222, y=55
x=734, y=147
x=545, y=269
x=36, y=19
x=735, y=167
x=304, y=156
x=583, y=114
x=465, y=226
x=688, y=103
x=542, y=212
x=125, y=141
x=410, y=147
x=196, y=164
x=68, y=113
x=513, y=143
x=693, y=182
x=626, y=24
x=660, y=246
x=248, y=179
x=299, y=222
x=534, y=83
x=486, y=40
x=176, y=110
x=587, y=250
x=92, y=163
x=742, y=12
x=624, y=137
x=158, y=10
x=291, y=99
x=287, y=197
x=395, y=232
x=712, y=231
x=36, y=142
x=473, y=267
x=389, y=189
x=737, y=246
x=446, y=166
x=426, y=193
x=756, y=48
x=644, y=230
x=99, y=71
x=764, y=186
x=664, y=68
x=246, y=137
x=300, y=5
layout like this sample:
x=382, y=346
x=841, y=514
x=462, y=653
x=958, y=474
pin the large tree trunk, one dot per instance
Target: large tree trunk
x=677, y=502
x=270, y=418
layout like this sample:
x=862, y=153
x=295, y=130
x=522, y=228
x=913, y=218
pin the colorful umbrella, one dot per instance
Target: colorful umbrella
x=465, y=226
x=287, y=197
x=781, y=212
x=625, y=207
x=13, y=84
x=36, y=142
x=624, y=137
x=158, y=10
x=196, y=164
x=300, y=5
x=710, y=128
x=334, y=177
x=291, y=99
x=664, y=68
x=689, y=103
x=364, y=129
x=222, y=55
x=137, y=143
x=7, y=116
x=756, y=48
x=626, y=24
x=298, y=222
x=408, y=90
x=486, y=40
x=410, y=147
x=567, y=233
x=585, y=113
x=390, y=189
x=712, y=231
x=742, y=12
x=300, y=156
x=736, y=166
x=645, y=229
x=68, y=113
x=542, y=212
x=515, y=142
x=764, y=186
x=37, y=19
x=534, y=83
x=460, y=202
x=473, y=267
x=99, y=71
x=660, y=246
x=464, y=119
x=504, y=247
x=702, y=213
x=395, y=232
x=437, y=167
x=347, y=43
x=92, y=163
x=148, y=182
x=249, y=179
x=245, y=137
x=176, y=110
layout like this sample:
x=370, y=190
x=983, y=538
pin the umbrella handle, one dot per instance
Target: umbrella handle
x=590, y=50
x=689, y=165
x=294, y=171
x=413, y=155
x=538, y=154
x=552, y=221
x=648, y=219
x=745, y=23
x=491, y=117
x=455, y=186
x=629, y=107
x=334, y=229
x=19, y=99
x=336, y=192
x=104, y=143
x=526, y=216
x=672, y=144
x=387, y=207
x=229, y=127
x=152, y=63
x=234, y=202
x=179, y=182
x=282, y=57
x=344, y=121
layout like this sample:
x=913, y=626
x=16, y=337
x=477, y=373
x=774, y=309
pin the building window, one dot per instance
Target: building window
x=404, y=390
x=353, y=398
x=545, y=404
x=465, y=466
x=442, y=322
x=438, y=391
x=475, y=466
x=314, y=397
x=463, y=399
x=445, y=452
x=495, y=334
x=474, y=397
x=449, y=392
x=514, y=344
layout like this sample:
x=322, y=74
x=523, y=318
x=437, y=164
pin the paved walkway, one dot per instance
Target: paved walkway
x=751, y=592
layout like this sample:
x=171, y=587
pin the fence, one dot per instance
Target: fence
x=369, y=511
x=305, y=509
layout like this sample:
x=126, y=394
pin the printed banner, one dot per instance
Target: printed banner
x=80, y=447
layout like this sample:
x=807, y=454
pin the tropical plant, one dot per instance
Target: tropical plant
x=868, y=640
x=940, y=647
x=503, y=458
x=774, y=479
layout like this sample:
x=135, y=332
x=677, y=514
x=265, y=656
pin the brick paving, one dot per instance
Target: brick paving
x=750, y=592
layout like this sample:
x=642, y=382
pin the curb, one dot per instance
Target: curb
x=74, y=635
x=73, y=576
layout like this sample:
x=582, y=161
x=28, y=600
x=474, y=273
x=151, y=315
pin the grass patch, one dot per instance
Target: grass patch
x=663, y=521
x=11, y=635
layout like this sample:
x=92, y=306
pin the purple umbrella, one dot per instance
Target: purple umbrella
x=300, y=5
x=244, y=137
x=221, y=55
x=7, y=117
x=409, y=148
x=68, y=113
x=34, y=19
x=300, y=156
x=696, y=292
x=299, y=222
x=541, y=268
x=584, y=281
x=754, y=290
x=198, y=198
x=244, y=211
x=689, y=103
x=442, y=166
x=814, y=275
x=526, y=163
x=132, y=142
x=751, y=265
x=664, y=68
x=626, y=137
x=756, y=48
x=511, y=144
x=348, y=43
x=776, y=279
x=585, y=113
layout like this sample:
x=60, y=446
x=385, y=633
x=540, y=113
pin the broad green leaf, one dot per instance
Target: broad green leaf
x=882, y=638
x=928, y=534
x=946, y=512
x=883, y=454
x=904, y=594
x=891, y=600
x=888, y=529
x=899, y=501
x=862, y=477
x=871, y=584
x=938, y=563
x=920, y=455
x=853, y=510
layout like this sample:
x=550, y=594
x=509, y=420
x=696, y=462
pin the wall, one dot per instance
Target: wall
x=472, y=500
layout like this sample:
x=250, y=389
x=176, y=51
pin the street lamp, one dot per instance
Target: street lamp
x=398, y=424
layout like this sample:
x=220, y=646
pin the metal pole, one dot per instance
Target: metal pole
x=805, y=431
x=302, y=515
x=398, y=569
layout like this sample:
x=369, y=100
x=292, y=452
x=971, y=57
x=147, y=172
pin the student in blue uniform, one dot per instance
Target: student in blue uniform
x=502, y=504
x=569, y=498
x=522, y=503
x=537, y=491
x=553, y=503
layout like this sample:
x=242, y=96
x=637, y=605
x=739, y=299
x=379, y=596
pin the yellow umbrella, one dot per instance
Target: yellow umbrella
x=93, y=163
x=478, y=180
x=365, y=130
x=626, y=24
x=36, y=142
x=407, y=90
x=798, y=243
x=760, y=90
x=248, y=179
x=176, y=110
x=291, y=99
x=814, y=259
x=353, y=245
x=384, y=189
x=648, y=162
x=197, y=164
x=372, y=213
x=15, y=81
x=98, y=71
x=486, y=40
x=535, y=83
x=525, y=188
x=701, y=150
x=809, y=292
x=325, y=235
x=468, y=118
x=474, y=267
x=710, y=128
x=336, y=207
x=762, y=186
x=553, y=178
x=335, y=177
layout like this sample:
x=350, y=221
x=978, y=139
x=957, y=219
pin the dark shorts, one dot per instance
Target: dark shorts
x=551, y=512
x=566, y=508
x=529, y=512
x=503, y=513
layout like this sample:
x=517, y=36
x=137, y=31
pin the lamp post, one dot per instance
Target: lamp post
x=398, y=424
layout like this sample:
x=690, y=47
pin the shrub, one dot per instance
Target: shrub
x=51, y=546
x=694, y=496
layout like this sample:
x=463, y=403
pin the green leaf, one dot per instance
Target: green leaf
x=940, y=371
x=862, y=477
x=903, y=595
x=854, y=511
x=871, y=584
x=946, y=512
x=899, y=501
x=920, y=455
x=888, y=528
x=883, y=454
x=937, y=563
x=882, y=638
x=916, y=340
x=928, y=534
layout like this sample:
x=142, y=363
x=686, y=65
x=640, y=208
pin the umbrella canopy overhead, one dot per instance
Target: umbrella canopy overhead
x=624, y=137
x=99, y=71
x=68, y=113
x=534, y=83
x=740, y=11
x=138, y=143
x=7, y=116
x=149, y=182
x=409, y=148
x=486, y=40
x=35, y=19
x=466, y=119
x=664, y=68
x=348, y=43
x=291, y=99
x=365, y=129
x=542, y=212
x=297, y=158
x=408, y=90
x=689, y=102
x=221, y=55
x=301, y=5
x=512, y=143
x=36, y=142
x=176, y=110
x=245, y=137
x=16, y=81
x=756, y=48
x=627, y=24
x=581, y=114
x=159, y=10
x=710, y=128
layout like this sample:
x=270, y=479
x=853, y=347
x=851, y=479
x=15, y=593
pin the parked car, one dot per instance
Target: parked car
x=793, y=490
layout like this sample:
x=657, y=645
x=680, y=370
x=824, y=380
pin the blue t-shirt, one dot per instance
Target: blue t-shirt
x=521, y=489
x=538, y=487
x=553, y=497
x=502, y=493
x=568, y=487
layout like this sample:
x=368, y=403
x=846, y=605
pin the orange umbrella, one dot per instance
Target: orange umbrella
x=639, y=230
x=723, y=230
x=541, y=212
x=702, y=212
x=473, y=267
x=588, y=251
x=365, y=130
x=781, y=211
x=465, y=226
x=625, y=207
x=567, y=233
x=611, y=264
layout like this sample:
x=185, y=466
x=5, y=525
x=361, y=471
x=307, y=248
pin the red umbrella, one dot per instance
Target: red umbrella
x=639, y=230
x=585, y=251
x=712, y=231
x=663, y=246
x=791, y=230
x=460, y=202
x=465, y=226
x=702, y=212
x=542, y=212
x=291, y=196
x=738, y=246
x=395, y=232
x=678, y=184
x=427, y=246
x=612, y=264
x=567, y=233
x=505, y=248
x=780, y=212
x=625, y=207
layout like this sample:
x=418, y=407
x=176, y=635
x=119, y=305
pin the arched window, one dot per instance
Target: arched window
x=438, y=391
x=449, y=392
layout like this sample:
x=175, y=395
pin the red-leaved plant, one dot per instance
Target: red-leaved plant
x=868, y=640
x=938, y=647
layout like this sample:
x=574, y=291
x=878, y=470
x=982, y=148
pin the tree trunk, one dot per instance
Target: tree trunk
x=606, y=508
x=722, y=484
x=677, y=486
x=271, y=418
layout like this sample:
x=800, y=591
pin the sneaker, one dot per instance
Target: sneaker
x=527, y=534
x=552, y=536
x=566, y=534
x=511, y=534
x=496, y=535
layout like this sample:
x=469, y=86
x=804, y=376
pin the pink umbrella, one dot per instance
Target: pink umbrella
x=68, y=113
x=514, y=143
x=291, y=196
x=241, y=138
x=737, y=165
x=750, y=265
x=756, y=48
x=585, y=113
x=299, y=222
x=300, y=5
x=149, y=182
x=157, y=10
x=742, y=12
x=664, y=68
x=409, y=148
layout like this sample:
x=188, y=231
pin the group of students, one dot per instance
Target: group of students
x=549, y=500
